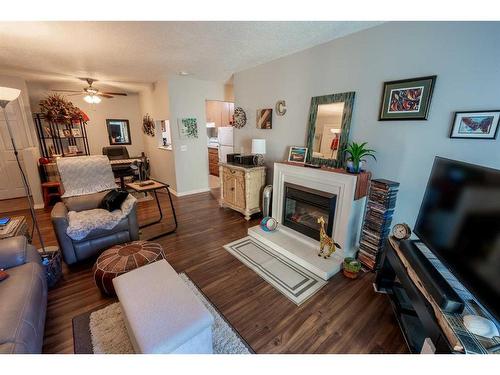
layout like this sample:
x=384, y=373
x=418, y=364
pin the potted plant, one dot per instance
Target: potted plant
x=351, y=267
x=357, y=153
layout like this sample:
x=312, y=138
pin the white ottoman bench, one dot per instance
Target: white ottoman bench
x=161, y=313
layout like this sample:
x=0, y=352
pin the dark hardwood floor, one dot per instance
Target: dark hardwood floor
x=346, y=316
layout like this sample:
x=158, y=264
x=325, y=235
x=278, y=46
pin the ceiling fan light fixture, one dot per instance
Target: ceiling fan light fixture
x=92, y=99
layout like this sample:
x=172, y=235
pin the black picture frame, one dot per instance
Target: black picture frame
x=427, y=83
x=495, y=124
x=114, y=122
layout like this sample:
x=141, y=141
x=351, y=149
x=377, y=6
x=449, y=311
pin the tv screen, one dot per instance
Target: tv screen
x=459, y=221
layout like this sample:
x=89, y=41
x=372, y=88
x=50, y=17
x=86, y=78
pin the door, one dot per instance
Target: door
x=11, y=185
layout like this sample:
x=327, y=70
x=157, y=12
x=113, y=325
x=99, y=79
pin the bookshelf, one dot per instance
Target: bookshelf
x=66, y=138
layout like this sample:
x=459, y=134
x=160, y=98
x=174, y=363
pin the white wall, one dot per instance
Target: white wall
x=119, y=107
x=465, y=57
x=155, y=102
x=187, y=99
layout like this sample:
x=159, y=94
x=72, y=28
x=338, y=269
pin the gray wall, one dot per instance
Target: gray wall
x=187, y=99
x=464, y=56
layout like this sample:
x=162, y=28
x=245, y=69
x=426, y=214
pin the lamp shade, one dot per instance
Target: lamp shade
x=9, y=94
x=258, y=146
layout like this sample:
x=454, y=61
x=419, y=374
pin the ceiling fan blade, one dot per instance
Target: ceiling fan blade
x=80, y=91
x=75, y=94
x=104, y=95
x=115, y=93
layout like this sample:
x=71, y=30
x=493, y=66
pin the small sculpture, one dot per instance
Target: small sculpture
x=325, y=240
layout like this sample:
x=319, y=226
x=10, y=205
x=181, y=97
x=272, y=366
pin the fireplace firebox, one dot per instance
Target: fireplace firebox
x=303, y=206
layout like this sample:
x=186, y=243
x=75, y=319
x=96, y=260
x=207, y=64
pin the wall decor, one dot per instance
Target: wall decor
x=297, y=154
x=476, y=124
x=265, y=118
x=329, y=127
x=188, y=128
x=280, y=107
x=407, y=99
x=240, y=118
x=118, y=132
x=76, y=132
x=148, y=125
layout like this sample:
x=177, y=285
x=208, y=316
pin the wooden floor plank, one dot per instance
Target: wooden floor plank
x=345, y=316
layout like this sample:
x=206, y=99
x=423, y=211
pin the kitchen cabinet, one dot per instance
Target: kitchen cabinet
x=213, y=161
x=219, y=112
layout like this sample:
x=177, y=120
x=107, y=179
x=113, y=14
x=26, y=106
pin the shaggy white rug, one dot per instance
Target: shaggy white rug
x=109, y=334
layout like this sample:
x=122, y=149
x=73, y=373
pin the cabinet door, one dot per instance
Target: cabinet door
x=231, y=113
x=229, y=187
x=239, y=190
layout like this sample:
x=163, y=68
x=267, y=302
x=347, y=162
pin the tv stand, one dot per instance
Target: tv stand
x=418, y=314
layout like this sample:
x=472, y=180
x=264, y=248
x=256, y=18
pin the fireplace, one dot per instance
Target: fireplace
x=303, y=206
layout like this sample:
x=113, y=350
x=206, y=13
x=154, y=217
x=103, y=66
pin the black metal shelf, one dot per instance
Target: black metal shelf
x=54, y=143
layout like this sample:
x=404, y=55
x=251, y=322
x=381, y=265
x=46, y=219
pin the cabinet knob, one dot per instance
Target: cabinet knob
x=232, y=189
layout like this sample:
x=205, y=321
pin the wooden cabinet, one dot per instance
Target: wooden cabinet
x=241, y=188
x=220, y=113
x=213, y=161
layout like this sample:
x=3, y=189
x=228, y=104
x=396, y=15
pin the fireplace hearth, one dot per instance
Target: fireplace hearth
x=304, y=206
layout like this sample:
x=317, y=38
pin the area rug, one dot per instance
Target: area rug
x=292, y=280
x=103, y=331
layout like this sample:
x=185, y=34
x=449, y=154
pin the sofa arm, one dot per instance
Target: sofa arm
x=13, y=251
x=59, y=218
x=133, y=225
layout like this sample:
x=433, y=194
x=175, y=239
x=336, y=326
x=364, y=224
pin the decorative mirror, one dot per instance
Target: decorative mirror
x=118, y=132
x=329, y=125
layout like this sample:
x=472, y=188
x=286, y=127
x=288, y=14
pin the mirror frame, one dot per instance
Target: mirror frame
x=108, y=123
x=348, y=99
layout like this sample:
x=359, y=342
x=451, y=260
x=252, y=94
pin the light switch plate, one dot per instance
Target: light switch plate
x=184, y=147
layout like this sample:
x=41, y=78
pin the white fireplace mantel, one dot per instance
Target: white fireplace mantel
x=346, y=226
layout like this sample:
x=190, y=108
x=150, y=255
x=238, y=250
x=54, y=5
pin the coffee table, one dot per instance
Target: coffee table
x=156, y=185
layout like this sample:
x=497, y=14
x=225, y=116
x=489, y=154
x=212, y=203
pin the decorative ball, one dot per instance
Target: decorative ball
x=269, y=224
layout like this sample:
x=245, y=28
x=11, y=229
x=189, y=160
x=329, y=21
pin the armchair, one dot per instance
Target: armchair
x=86, y=180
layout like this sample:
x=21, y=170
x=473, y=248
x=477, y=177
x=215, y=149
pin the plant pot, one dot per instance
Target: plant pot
x=352, y=168
x=351, y=275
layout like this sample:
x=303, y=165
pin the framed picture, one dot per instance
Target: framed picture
x=475, y=124
x=72, y=149
x=47, y=132
x=188, y=128
x=297, y=154
x=118, y=131
x=265, y=118
x=76, y=132
x=407, y=99
x=66, y=133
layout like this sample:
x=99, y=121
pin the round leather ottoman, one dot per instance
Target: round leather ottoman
x=120, y=259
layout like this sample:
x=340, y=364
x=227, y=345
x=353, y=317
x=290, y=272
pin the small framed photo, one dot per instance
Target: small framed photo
x=475, y=124
x=407, y=99
x=297, y=154
x=76, y=132
x=265, y=118
x=72, y=149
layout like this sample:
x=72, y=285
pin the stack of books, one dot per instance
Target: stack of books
x=377, y=222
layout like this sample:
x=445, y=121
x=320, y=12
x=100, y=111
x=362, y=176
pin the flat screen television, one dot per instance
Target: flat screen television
x=459, y=221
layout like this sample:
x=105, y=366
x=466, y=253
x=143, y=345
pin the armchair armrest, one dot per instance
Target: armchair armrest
x=59, y=218
x=13, y=251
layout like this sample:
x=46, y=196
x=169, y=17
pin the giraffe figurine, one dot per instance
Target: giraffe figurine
x=325, y=240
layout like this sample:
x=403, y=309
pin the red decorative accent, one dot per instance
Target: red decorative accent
x=335, y=142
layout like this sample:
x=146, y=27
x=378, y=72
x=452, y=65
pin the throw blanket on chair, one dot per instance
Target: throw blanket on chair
x=83, y=175
x=81, y=223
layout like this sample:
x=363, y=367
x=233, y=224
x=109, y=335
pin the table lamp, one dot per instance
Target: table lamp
x=259, y=150
x=7, y=95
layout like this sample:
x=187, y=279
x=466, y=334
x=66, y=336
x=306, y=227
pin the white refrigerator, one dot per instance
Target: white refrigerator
x=226, y=142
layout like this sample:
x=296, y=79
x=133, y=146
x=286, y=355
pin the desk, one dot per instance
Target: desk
x=156, y=185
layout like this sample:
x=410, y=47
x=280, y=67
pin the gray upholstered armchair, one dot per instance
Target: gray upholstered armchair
x=86, y=180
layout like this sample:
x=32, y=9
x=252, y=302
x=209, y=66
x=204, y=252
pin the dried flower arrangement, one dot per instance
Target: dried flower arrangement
x=148, y=125
x=58, y=109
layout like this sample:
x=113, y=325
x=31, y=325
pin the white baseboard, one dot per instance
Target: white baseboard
x=190, y=192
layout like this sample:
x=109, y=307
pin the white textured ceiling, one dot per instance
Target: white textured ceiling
x=128, y=54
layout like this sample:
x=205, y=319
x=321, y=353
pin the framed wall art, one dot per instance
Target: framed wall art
x=297, y=154
x=407, y=99
x=188, y=128
x=265, y=118
x=475, y=124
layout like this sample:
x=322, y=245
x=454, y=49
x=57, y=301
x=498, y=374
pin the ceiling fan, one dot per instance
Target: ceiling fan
x=92, y=95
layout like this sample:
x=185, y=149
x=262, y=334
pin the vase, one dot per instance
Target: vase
x=352, y=168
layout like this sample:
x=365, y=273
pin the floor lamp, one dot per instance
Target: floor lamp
x=7, y=95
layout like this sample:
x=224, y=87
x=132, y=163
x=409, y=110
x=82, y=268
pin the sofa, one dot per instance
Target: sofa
x=23, y=298
x=96, y=241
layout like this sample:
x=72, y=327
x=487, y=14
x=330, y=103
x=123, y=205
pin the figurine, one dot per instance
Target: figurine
x=325, y=240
